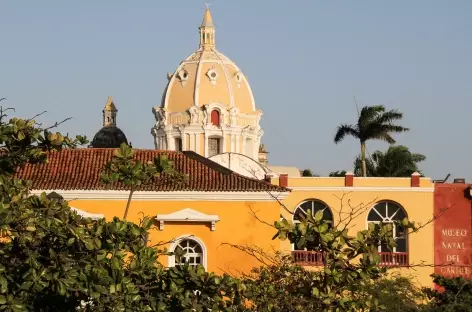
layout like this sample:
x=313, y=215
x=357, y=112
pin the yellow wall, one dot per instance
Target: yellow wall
x=236, y=226
x=418, y=203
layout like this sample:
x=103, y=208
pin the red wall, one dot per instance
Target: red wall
x=452, y=230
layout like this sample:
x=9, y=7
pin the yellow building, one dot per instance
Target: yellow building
x=361, y=200
x=208, y=124
x=205, y=216
x=216, y=208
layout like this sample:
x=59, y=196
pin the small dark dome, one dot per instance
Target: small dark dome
x=109, y=137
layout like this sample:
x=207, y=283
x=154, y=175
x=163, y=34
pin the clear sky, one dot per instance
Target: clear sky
x=306, y=62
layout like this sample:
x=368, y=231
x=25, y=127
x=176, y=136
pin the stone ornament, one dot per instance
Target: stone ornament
x=239, y=79
x=212, y=75
x=194, y=115
x=183, y=76
x=233, y=113
x=161, y=116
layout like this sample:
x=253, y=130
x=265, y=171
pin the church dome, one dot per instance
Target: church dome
x=208, y=106
x=109, y=136
x=207, y=76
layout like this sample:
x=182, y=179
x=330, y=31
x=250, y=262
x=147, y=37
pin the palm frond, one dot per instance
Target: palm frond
x=384, y=136
x=389, y=117
x=344, y=130
x=368, y=113
x=382, y=132
x=418, y=157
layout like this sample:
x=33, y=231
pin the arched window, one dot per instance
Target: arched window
x=388, y=212
x=215, y=117
x=193, y=252
x=313, y=206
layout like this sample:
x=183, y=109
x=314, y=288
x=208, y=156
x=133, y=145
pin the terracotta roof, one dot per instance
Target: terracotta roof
x=80, y=169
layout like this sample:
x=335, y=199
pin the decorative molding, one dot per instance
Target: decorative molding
x=212, y=74
x=196, y=98
x=168, y=196
x=363, y=189
x=183, y=76
x=187, y=215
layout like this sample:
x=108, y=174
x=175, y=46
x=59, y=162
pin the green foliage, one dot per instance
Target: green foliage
x=397, y=161
x=307, y=173
x=455, y=294
x=25, y=142
x=338, y=173
x=132, y=173
x=282, y=286
x=397, y=293
x=347, y=260
x=52, y=259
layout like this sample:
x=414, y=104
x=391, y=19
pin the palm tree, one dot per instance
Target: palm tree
x=374, y=123
x=397, y=161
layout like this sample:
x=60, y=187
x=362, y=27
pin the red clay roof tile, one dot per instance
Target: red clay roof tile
x=80, y=169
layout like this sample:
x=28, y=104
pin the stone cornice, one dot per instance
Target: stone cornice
x=167, y=196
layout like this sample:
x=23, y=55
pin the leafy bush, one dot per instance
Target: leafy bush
x=453, y=295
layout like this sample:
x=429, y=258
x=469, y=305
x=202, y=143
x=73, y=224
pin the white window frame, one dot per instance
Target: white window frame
x=387, y=220
x=177, y=241
x=299, y=207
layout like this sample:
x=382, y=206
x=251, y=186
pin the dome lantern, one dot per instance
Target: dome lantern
x=207, y=31
x=109, y=113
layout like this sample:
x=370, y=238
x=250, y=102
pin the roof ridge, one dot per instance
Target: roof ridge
x=117, y=148
x=208, y=162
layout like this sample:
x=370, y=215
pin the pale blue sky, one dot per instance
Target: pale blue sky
x=305, y=60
